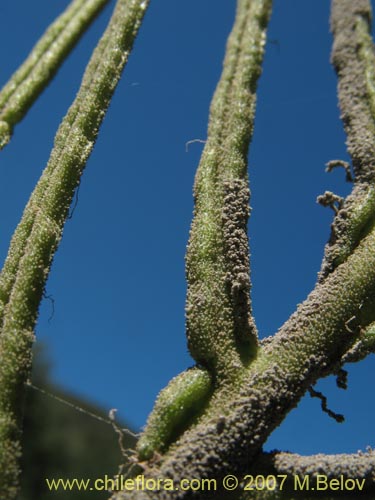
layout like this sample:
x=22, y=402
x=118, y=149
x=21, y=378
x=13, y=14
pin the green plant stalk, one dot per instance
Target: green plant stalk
x=24, y=87
x=363, y=347
x=353, y=221
x=243, y=412
x=38, y=234
x=239, y=419
x=221, y=332
x=220, y=329
x=177, y=404
x=353, y=57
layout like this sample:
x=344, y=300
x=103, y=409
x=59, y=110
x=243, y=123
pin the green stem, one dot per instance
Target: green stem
x=221, y=332
x=353, y=57
x=362, y=348
x=24, y=87
x=36, y=238
x=238, y=419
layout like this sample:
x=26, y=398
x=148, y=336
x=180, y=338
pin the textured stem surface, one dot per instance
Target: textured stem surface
x=220, y=329
x=353, y=56
x=354, y=60
x=343, y=476
x=239, y=419
x=221, y=332
x=36, y=238
x=243, y=412
x=24, y=87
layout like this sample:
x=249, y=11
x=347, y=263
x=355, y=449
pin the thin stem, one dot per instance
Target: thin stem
x=24, y=87
x=36, y=238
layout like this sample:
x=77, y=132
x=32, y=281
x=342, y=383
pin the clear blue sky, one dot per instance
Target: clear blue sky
x=117, y=334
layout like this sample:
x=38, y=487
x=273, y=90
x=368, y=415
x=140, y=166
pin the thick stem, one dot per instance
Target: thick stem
x=239, y=419
x=243, y=412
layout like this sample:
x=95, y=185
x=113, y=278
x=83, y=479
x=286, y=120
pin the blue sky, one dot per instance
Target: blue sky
x=117, y=333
